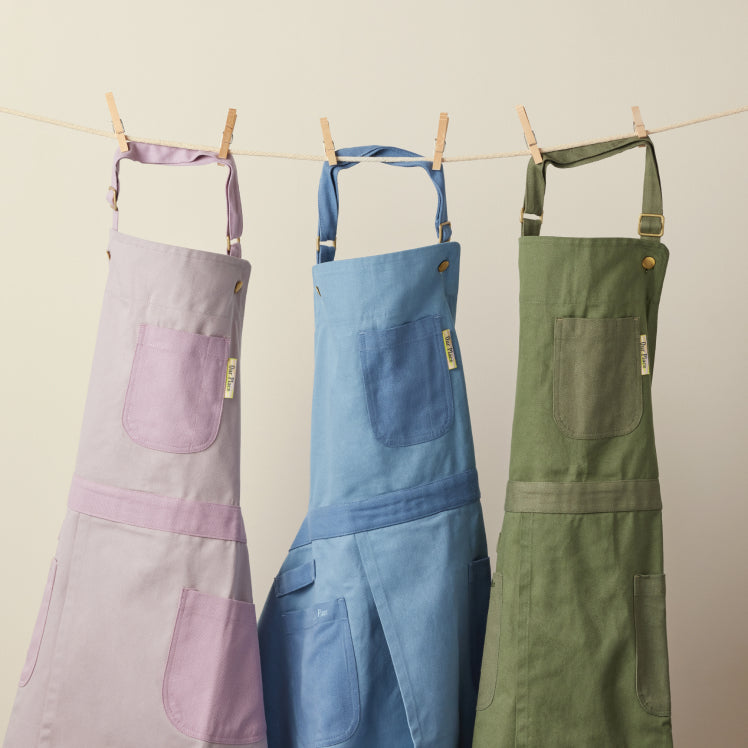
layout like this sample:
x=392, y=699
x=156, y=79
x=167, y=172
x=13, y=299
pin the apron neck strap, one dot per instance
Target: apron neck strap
x=329, y=202
x=148, y=153
x=651, y=221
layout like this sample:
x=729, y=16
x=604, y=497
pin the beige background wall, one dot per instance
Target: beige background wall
x=382, y=72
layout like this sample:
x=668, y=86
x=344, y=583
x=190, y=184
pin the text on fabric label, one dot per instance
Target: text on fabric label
x=449, y=349
x=644, y=355
x=230, y=378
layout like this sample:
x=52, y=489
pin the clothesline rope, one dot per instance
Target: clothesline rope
x=321, y=157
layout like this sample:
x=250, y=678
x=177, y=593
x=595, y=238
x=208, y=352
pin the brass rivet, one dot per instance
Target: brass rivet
x=238, y=287
x=648, y=263
x=318, y=293
x=109, y=254
x=443, y=265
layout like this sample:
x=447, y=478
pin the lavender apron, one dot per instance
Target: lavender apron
x=372, y=633
x=146, y=636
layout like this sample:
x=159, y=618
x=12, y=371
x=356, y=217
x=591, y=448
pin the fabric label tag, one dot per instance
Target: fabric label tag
x=230, y=378
x=449, y=349
x=644, y=355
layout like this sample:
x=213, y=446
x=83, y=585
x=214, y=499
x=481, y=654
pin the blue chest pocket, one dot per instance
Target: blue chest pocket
x=407, y=382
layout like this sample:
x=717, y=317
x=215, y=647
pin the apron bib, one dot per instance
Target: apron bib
x=372, y=633
x=147, y=633
x=576, y=648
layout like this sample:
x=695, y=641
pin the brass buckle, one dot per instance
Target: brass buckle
x=334, y=245
x=441, y=229
x=522, y=216
x=113, y=204
x=230, y=241
x=652, y=215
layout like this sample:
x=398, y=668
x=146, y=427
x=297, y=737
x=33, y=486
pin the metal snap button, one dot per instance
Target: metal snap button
x=648, y=263
x=443, y=265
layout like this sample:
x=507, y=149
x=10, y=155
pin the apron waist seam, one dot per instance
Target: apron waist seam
x=155, y=512
x=583, y=497
x=388, y=509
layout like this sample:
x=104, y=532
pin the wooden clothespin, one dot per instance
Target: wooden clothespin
x=228, y=133
x=119, y=128
x=639, y=129
x=532, y=143
x=441, y=141
x=332, y=159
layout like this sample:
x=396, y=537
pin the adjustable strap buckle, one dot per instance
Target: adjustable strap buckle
x=230, y=241
x=113, y=204
x=327, y=240
x=441, y=229
x=652, y=215
x=522, y=216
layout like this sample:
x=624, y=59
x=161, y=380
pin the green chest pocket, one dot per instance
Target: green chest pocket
x=597, y=377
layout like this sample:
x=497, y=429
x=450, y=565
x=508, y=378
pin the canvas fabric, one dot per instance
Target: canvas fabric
x=146, y=634
x=576, y=646
x=372, y=633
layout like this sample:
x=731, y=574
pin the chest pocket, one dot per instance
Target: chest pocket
x=407, y=381
x=176, y=391
x=597, y=380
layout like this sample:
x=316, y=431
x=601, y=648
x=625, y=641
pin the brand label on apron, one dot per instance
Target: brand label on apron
x=230, y=378
x=644, y=354
x=449, y=349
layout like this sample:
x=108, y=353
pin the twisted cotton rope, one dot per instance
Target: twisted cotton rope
x=311, y=157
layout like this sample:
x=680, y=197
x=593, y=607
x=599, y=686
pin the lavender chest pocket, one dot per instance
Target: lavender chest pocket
x=175, y=395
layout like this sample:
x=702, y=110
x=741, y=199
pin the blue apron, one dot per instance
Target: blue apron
x=372, y=633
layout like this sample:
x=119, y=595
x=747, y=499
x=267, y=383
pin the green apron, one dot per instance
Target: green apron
x=576, y=646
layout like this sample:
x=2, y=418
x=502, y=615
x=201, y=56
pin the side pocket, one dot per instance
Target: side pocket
x=479, y=582
x=324, y=689
x=175, y=395
x=212, y=685
x=41, y=621
x=490, y=667
x=597, y=380
x=652, y=670
x=407, y=381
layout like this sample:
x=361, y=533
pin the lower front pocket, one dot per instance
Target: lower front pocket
x=41, y=623
x=490, y=667
x=212, y=686
x=324, y=680
x=652, y=676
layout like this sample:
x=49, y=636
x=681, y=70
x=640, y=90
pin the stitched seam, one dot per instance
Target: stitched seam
x=645, y=703
x=392, y=639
